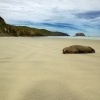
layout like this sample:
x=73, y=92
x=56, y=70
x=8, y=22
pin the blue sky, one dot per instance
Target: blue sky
x=69, y=16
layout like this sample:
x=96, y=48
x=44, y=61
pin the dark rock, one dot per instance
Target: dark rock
x=2, y=21
x=79, y=34
x=78, y=49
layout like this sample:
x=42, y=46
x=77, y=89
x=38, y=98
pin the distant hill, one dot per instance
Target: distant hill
x=11, y=30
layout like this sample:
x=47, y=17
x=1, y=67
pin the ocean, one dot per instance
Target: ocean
x=78, y=37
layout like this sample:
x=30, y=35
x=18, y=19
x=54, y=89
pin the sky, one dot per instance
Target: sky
x=69, y=16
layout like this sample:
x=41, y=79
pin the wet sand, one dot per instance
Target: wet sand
x=36, y=69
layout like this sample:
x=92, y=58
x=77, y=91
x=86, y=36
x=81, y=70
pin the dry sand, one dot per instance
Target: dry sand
x=36, y=69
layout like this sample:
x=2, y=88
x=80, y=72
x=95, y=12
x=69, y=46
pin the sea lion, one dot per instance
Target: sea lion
x=78, y=49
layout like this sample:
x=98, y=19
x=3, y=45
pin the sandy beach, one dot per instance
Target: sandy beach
x=34, y=68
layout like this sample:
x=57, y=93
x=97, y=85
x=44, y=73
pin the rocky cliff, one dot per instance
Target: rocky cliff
x=11, y=30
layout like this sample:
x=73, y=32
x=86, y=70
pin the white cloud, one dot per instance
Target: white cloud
x=41, y=9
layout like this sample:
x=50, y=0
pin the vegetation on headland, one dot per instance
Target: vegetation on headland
x=11, y=30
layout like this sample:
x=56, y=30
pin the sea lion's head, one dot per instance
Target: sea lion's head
x=65, y=50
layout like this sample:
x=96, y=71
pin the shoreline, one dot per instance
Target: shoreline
x=66, y=37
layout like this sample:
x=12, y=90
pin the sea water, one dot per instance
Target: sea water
x=78, y=37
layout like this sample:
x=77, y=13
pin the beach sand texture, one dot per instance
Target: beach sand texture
x=36, y=69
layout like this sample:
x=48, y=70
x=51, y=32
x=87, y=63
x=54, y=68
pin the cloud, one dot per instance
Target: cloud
x=62, y=25
x=89, y=14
